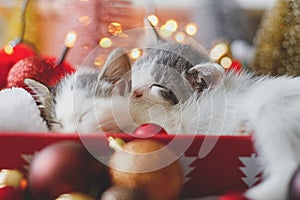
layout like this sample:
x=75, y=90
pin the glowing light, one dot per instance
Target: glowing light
x=226, y=62
x=179, y=37
x=171, y=25
x=191, y=29
x=85, y=20
x=135, y=53
x=8, y=49
x=105, y=42
x=153, y=19
x=99, y=61
x=164, y=32
x=70, y=39
x=115, y=28
x=218, y=51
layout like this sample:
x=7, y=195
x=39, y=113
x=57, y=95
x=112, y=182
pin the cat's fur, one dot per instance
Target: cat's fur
x=88, y=101
x=267, y=107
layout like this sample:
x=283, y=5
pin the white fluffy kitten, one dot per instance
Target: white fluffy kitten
x=88, y=101
x=268, y=107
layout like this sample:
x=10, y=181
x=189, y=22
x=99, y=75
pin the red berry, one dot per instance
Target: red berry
x=41, y=69
x=10, y=56
x=149, y=130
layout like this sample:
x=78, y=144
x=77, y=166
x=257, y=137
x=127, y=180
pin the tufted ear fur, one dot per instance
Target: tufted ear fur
x=152, y=35
x=42, y=92
x=117, y=70
x=209, y=74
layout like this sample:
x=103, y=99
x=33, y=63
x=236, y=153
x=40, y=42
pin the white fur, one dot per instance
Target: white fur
x=19, y=112
x=265, y=106
x=76, y=112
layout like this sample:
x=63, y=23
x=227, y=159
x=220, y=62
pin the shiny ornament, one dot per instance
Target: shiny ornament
x=10, y=54
x=277, y=49
x=12, y=185
x=149, y=130
x=42, y=69
x=123, y=193
x=141, y=164
x=65, y=167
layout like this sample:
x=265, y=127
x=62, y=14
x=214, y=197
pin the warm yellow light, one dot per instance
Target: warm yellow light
x=179, y=37
x=226, y=62
x=99, y=61
x=153, y=19
x=218, y=51
x=171, y=25
x=105, y=42
x=164, y=32
x=8, y=49
x=70, y=39
x=191, y=29
x=115, y=28
x=135, y=53
x=85, y=20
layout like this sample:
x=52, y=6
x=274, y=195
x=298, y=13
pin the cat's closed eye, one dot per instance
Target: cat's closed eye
x=164, y=92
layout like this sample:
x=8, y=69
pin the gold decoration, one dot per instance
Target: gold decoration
x=277, y=41
x=11, y=178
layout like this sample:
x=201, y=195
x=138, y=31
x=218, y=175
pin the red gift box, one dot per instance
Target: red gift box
x=213, y=165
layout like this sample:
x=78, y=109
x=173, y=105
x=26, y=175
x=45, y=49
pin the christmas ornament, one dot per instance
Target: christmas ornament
x=65, y=167
x=149, y=130
x=42, y=69
x=74, y=196
x=277, y=49
x=14, y=51
x=294, y=186
x=123, y=193
x=141, y=164
x=12, y=185
x=9, y=55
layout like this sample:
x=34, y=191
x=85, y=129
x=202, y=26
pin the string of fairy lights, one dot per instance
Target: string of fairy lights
x=219, y=53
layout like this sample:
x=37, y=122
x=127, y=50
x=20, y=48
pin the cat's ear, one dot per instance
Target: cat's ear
x=152, y=35
x=209, y=74
x=117, y=66
x=42, y=91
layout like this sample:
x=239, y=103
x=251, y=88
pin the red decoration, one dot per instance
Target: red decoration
x=41, y=69
x=149, y=130
x=65, y=167
x=232, y=196
x=235, y=66
x=9, y=57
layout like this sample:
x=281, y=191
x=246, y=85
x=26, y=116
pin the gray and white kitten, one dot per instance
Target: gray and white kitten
x=87, y=100
x=267, y=107
x=170, y=70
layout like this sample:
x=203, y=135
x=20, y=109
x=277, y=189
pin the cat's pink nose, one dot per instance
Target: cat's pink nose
x=137, y=93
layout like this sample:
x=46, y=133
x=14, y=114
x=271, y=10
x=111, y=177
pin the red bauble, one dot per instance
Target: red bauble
x=42, y=69
x=65, y=167
x=7, y=60
x=149, y=130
